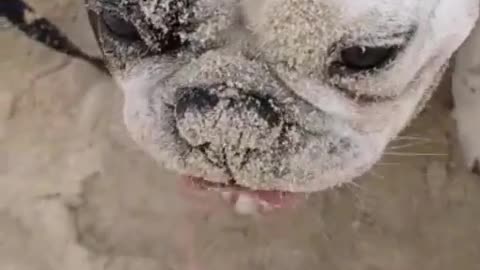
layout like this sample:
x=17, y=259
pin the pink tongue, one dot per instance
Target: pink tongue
x=275, y=199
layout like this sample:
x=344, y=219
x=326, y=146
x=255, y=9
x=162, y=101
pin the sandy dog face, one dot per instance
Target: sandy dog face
x=285, y=95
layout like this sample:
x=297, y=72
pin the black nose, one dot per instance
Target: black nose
x=204, y=99
x=225, y=118
x=196, y=98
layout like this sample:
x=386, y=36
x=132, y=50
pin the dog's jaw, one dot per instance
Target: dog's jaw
x=270, y=60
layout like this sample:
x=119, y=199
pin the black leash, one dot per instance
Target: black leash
x=45, y=32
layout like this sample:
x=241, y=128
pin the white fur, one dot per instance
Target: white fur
x=289, y=40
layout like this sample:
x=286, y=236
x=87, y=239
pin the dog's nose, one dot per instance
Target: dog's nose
x=204, y=99
x=222, y=116
x=194, y=99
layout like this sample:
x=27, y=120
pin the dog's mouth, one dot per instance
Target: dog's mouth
x=230, y=127
x=243, y=199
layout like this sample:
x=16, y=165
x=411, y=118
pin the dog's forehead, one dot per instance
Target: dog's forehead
x=346, y=9
x=385, y=7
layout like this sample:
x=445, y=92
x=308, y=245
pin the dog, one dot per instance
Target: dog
x=275, y=98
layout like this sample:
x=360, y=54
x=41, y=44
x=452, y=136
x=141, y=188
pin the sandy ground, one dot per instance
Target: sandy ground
x=76, y=193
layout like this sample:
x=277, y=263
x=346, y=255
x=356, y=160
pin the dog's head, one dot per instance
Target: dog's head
x=289, y=95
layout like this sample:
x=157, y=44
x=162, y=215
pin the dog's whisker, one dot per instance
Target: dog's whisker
x=413, y=154
x=388, y=164
x=406, y=145
x=376, y=175
x=412, y=138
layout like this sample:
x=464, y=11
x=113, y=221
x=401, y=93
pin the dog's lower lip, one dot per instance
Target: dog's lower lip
x=273, y=198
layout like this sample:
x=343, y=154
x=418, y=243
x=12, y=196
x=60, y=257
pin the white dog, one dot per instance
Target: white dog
x=282, y=97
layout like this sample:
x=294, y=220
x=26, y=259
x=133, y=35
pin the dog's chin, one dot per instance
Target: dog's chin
x=244, y=200
x=252, y=199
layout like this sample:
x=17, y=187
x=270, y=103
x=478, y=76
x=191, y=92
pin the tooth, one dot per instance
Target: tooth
x=246, y=205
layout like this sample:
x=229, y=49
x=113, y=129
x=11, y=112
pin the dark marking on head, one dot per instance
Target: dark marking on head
x=197, y=98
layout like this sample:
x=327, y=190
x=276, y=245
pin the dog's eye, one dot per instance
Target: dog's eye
x=357, y=58
x=120, y=27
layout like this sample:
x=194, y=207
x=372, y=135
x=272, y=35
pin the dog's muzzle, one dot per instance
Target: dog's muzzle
x=227, y=123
